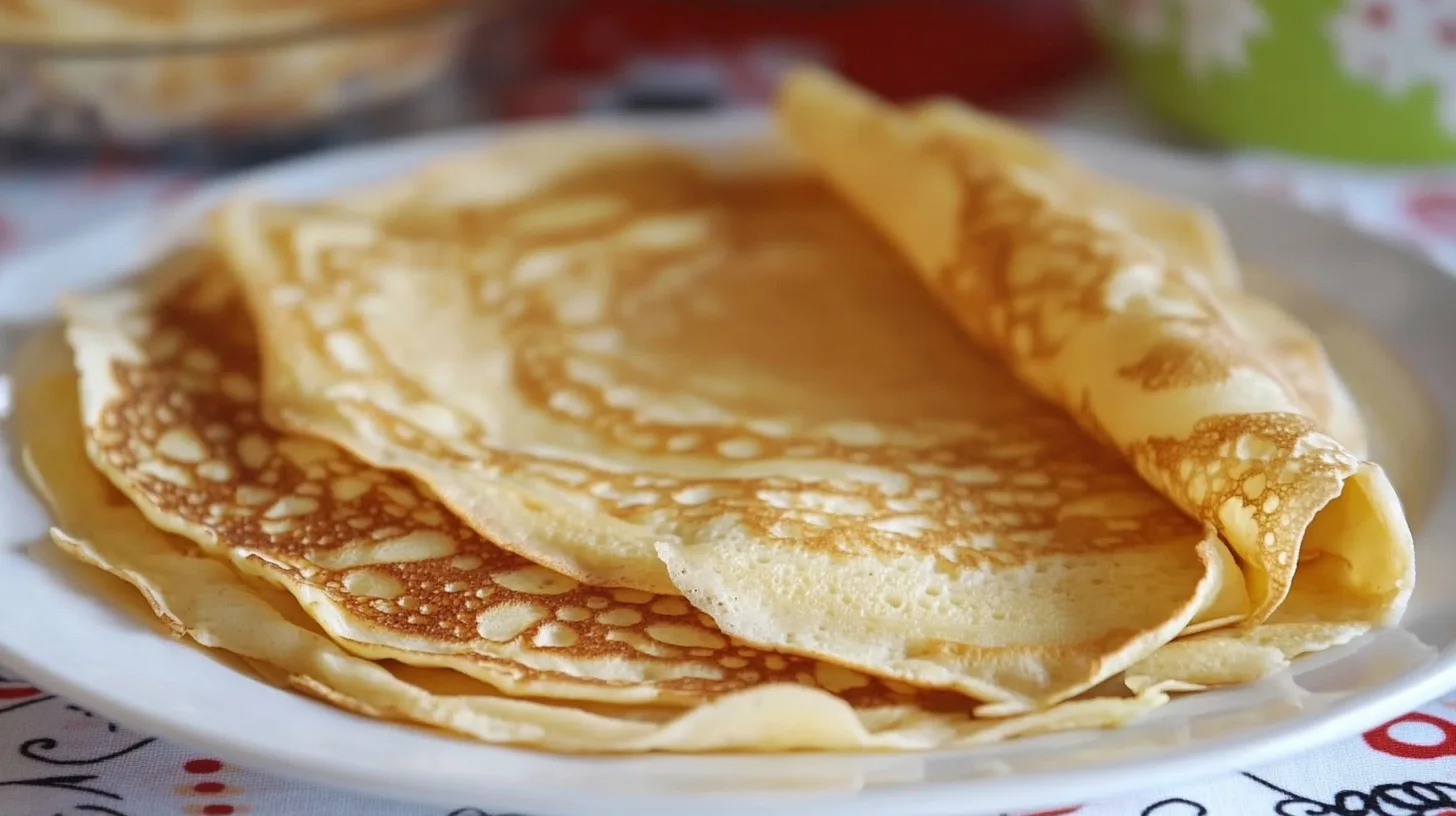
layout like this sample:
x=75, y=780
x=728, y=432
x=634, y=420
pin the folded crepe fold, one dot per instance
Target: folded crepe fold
x=1191, y=236
x=1120, y=329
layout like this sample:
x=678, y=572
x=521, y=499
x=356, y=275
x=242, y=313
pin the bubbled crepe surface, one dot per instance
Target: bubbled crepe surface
x=643, y=364
x=1120, y=331
x=169, y=375
x=624, y=367
x=203, y=599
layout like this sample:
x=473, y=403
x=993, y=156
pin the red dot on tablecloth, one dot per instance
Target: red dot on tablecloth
x=1433, y=210
x=218, y=810
x=209, y=787
x=203, y=766
x=1385, y=739
x=1377, y=15
x=1446, y=33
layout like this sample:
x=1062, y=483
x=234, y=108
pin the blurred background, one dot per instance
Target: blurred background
x=1347, y=105
x=233, y=80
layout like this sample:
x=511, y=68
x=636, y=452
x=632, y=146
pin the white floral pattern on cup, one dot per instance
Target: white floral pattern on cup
x=1212, y=36
x=1399, y=47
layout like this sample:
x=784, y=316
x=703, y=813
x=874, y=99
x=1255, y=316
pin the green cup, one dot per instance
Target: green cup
x=1355, y=80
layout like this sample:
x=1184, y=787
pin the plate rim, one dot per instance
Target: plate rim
x=1349, y=716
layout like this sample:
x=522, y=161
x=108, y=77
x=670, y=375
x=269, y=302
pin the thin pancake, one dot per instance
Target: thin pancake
x=1313, y=617
x=202, y=599
x=621, y=364
x=169, y=378
x=1135, y=346
x=1190, y=235
x=1297, y=355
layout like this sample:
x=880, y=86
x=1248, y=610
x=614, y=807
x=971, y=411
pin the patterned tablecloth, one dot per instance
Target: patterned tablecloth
x=58, y=758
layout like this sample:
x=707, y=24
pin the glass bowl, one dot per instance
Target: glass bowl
x=153, y=87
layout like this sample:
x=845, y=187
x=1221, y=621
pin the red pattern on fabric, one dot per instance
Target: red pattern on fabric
x=204, y=766
x=17, y=692
x=1446, y=33
x=1383, y=740
x=1433, y=210
x=1377, y=15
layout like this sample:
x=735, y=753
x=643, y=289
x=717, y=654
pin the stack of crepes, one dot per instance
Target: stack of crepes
x=915, y=434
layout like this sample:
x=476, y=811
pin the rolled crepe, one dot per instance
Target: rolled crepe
x=1037, y=261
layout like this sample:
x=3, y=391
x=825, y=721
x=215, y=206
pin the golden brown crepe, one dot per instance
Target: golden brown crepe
x=168, y=370
x=729, y=450
x=202, y=599
x=624, y=371
x=1295, y=354
x=1190, y=236
x=1111, y=327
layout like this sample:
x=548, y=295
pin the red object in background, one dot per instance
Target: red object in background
x=1433, y=210
x=986, y=51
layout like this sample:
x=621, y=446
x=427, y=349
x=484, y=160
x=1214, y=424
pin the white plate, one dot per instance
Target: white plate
x=1389, y=319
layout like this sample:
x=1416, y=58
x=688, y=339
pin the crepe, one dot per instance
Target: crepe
x=201, y=598
x=1190, y=236
x=169, y=382
x=1108, y=325
x=1189, y=233
x=1295, y=354
x=637, y=362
